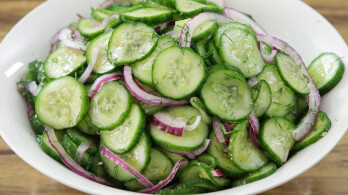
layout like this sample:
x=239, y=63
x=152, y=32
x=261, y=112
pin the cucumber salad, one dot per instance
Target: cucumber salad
x=175, y=97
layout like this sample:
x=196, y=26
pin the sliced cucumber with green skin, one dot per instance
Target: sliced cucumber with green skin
x=204, y=30
x=158, y=169
x=175, y=158
x=198, y=104
x=266, y=48
x=62, y=103
x=200, y=48
x=149, y=16
x=190, y=140
x=110, y=106
x=320, y=129
x=214, y=55
x=100, y=43
x=200, y=171
x=240, y=48
x=71, y=148
x=46, y=146
x=262, y=98
x=138, y=158
x=88, y=28
x=36, y=124
x=120, y=6
x=199, y=182
x=142, y=70
x=217, y=150
x=172, y=72
x=179, y=25
x=97, y=169
x=86, y=126
x=208, y=159
x=283, y=98
x=276, y=139
x=227, y=95
x=190, y=8
x=131, y=42
x=222, y=28
x=63, y=62
x=264, y=172
x=215, y=68
x=243, y=153
x=291, y=73
x=78, y=138
x=101, y=14
x=327, y=71
x=148, y=108
x=125, y=137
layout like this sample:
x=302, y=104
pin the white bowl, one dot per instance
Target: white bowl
x=291, y=20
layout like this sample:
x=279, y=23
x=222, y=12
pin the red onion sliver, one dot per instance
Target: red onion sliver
x=314, y=99
x=220, y=3
x=255, y=125
x=31, y=110
x=144, y=96
x=254, y=139
x=83, y=147
x=191, y=25
x=268, y=58
x=194, y=125
x=79, y=15
x=169, y=33
x=203, y=148
x=169, y=124
x=188, y=154
x=219, y=134
x=33, y=88
x=66, y=39
x=68, y=161
x=54, y=46
x=76, y=35
x=253, y=81
x=165, y=25
x=95, y=56
x=141, y=178
x=236, y=15
x=217, y=173
x=229, y=127
x=163, y=183
x=110, y=2
x=55, y=36
x=98, y=83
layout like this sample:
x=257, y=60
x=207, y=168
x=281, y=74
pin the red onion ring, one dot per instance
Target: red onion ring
x=66, y=39
x=33, y=88
x=253, y=138
x=252, y=81
x=144, y=96
x=169, y=124
x=98, y=83
x=314, y=99
x=217, y=173
x=195, y=153
x=239, y=16
x=255, y=125
x=140, y=177
x=165, y=25
x=191, y=25
x=268, y=58
x=166, y=181
x=68, y=161
x=95, y=56
x=83, y=147
x=219, y=134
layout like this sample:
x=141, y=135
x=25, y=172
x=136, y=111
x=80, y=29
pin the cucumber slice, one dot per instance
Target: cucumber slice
x=101, y=14
x=179, y=25
x=204, y=30
x=190, y=140
x=327, y=71
x=208, y=159
x=86, y=126
x=77, y=137
x=125, y=137
x=240, y=48
x=71, y=148
x=214, y=55
x=198, y=104
x=192, y=8
x=120, y=6
x=96, y=168
x=199, y=182
x=62, y=103
x=262, y=96
x=200, y=48
x=283, y=98
x=142, y=70
x=217, y=150
x=88, y=28
x=320, y=129
x=36, y=124
x=276, y=139
x=46, y=146
x=172, y=72
x=149, y=16
x=158, y=169
x=138, y=158
x=266, y=48
x=110, y=106
x=243, y=152
x=292, y=74
x=131, y=42
x=148, y=108
x=101, y=42
x=63, y=62
x=200, y=171
x=227, y=95
x=264, y=172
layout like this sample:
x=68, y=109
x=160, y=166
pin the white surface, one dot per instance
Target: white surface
x=291, y=20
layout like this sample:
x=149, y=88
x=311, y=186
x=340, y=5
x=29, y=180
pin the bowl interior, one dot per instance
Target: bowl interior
x=291, y=20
